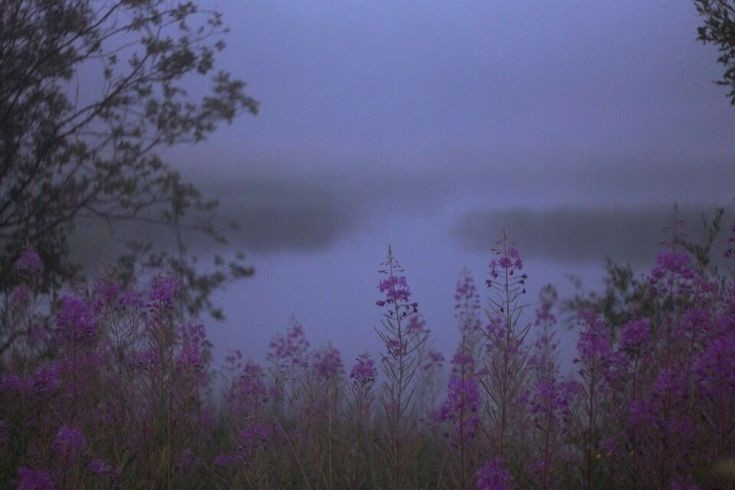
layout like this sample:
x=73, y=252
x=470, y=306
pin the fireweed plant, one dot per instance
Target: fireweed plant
x=112, y=386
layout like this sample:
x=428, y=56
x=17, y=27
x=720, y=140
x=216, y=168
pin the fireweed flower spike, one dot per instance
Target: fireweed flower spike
x=493, y=476
x=363, y=372
x=400, y=362
x=459, y=412
x=505, y=362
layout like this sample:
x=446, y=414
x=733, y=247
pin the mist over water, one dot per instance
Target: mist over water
x=432, y=127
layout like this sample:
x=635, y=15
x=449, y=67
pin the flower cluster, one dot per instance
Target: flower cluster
x=290, y=350
x=363, y=371
x=29, y=262
x=328, y=363
x=30, y=479
x=69, y=442
x=104, y=388
x=395, y=290
x=493, y=476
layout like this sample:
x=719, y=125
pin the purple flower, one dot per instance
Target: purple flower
x=69, y=442
x=396, y=293
x=593, y=344
x=434, y=361
x=192, y=356
x=20, y=298
x=634, y=336
x=46, y=378
x=12, y=382
x=29, y=262
x=328, y=363
x=395, y=289
x=675, y=263
x=247, y=393
x=164, y=290
x=641, y=413
x=29, y=479
x=363, y=372
x=108, y=293
x=416, y=325
x=460, y=406
x=674, y=271
x=467, y=304
x=508, y=260
x=397, y=348
x=290, y=350
x=463, y=364
x=715, y=366
x=75, y=319
x=493, y=476
x=224, y=460
x=548, y=398
x=254, y=438
x=98, y=466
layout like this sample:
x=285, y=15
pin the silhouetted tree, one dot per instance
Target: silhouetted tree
x=90, y=92
x=719, y=29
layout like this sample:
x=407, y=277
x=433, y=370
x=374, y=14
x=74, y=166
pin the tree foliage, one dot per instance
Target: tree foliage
x=91, y=92
x=719, y=29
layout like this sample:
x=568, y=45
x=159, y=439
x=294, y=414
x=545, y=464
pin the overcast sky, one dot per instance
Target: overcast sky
x=433, y=125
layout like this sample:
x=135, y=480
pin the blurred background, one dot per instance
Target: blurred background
x=432, y=126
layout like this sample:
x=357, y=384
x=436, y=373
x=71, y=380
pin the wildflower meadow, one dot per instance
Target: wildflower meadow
x=110, y=385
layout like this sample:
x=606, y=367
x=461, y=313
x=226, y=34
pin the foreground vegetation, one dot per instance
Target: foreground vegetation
x=110, y=386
